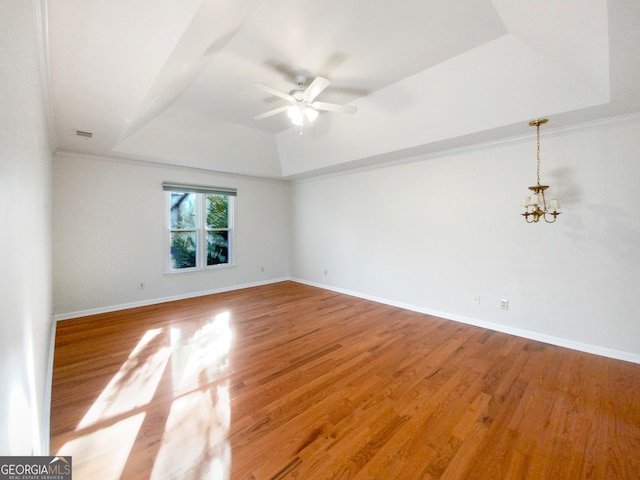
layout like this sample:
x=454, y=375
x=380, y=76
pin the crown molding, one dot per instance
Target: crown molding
x=410, y=156
x=163, y=165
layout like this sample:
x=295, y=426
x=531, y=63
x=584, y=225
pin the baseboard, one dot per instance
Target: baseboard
x=531, y=335
x=154, y=301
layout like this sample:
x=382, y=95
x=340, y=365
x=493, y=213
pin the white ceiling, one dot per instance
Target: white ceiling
x=173, y=81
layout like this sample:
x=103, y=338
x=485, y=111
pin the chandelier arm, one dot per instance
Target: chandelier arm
x=553, y=214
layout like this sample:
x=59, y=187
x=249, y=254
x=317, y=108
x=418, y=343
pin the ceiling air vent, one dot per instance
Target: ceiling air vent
x=83, y=134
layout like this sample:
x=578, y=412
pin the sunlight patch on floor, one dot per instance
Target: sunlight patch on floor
x=196, y=433
x=203, y=358
x=195, y=439
x=195, y=443
x=134, y=385
x=104, y=452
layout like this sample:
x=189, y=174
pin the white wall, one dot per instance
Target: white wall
x=109, y=231
x=25, y=237
x=431, y=233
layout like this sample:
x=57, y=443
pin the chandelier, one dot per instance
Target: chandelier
x=535, y=205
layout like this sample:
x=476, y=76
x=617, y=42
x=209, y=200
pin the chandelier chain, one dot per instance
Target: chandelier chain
x=538, y=151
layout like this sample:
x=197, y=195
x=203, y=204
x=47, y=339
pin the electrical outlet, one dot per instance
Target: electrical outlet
x=476, y=299
x=326, y=272
x=504, y=304
x=141, y=285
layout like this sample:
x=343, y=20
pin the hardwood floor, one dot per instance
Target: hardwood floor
x=288, y=381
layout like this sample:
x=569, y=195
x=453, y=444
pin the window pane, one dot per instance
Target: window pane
x=217, y=247
x=217, y=211
x=183, y=249
x=183, y=210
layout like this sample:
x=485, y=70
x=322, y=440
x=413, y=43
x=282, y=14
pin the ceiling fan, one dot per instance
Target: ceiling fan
x=303, y=108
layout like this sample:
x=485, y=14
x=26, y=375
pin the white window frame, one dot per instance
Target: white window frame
x=200, y=228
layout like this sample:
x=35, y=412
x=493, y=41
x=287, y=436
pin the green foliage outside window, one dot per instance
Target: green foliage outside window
x=183, y=249
x=217, y=240
x=184, y=230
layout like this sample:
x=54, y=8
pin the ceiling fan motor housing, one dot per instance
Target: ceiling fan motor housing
x=300, y=80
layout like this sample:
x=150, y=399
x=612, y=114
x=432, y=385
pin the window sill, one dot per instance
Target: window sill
x=212, y=268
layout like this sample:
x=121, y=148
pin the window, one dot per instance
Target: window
x=199, y=227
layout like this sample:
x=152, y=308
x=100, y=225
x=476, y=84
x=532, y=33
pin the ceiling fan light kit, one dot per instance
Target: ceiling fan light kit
x=298, y=114
x=304, y=109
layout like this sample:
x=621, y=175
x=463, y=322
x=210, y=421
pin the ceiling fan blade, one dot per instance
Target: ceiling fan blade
x=275, y=92
x=334, y=107
x=271, y=112
x=314, y=89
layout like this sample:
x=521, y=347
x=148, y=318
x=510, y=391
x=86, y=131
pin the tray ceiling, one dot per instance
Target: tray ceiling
x=174, y=81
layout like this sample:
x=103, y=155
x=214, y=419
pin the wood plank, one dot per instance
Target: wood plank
x=288, y=381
